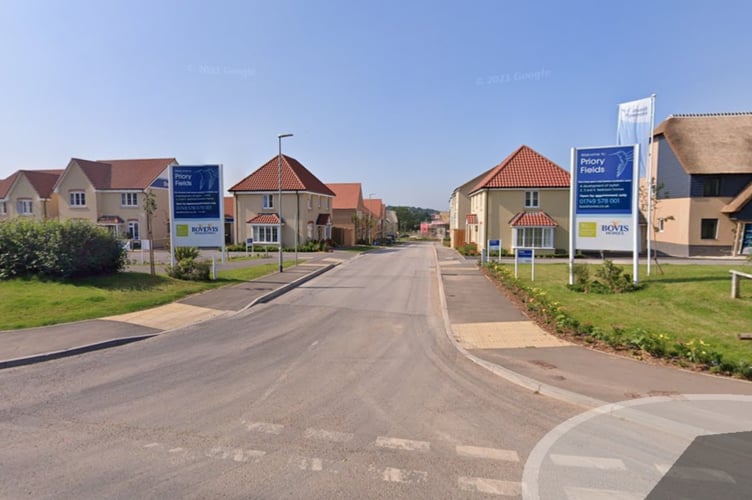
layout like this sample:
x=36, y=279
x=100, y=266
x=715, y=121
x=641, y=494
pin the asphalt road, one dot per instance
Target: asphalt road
x=344, y=388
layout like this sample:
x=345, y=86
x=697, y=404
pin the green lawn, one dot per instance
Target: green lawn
x=30, y=303
x=686, y=302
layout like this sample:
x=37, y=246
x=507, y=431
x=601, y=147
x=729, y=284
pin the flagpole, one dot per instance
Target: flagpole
x=649, y=168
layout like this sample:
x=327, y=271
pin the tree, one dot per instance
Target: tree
x=651, y=196
x=150, y=207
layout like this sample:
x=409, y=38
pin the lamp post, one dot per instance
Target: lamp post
x=279, y=196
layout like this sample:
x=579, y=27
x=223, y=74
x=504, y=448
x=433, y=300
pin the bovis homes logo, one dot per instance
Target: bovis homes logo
x=614, y=228
x=200, y=229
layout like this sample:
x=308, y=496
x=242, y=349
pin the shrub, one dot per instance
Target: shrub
x=54, y=249
x=190, y=269
x=468, y=249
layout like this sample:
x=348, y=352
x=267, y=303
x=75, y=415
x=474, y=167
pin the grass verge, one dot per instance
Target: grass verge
x=685, y=315
x=26, y=303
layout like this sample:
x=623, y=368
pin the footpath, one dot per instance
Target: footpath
x=480, y=320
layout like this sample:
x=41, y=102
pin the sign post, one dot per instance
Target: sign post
x=494, y=245
x=603, y=201
x=196, y=218
x=525, y=256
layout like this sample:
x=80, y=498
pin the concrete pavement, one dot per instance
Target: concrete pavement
x=482, y=323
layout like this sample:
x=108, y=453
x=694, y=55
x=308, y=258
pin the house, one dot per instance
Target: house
x=391, y=225
x=703, y=179
x=375, y=219
x=111, y=194
x=28, y=193
x=523, y=202
x=228, y=206
x=347, y=213
x=306, y=205
x=459, y=209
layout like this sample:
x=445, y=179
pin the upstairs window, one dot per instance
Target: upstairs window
x=129, y=199
x=711, y=186
x=77, y=199
x=24, y=206
x=310, y=202
x=268, y=201
x=3, y=208
x=326, y=203
x=531, y=199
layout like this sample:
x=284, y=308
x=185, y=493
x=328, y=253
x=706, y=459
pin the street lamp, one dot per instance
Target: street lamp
x=279, y=196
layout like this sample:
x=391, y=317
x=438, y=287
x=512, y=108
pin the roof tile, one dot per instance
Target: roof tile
x=347, y=195
x=525, y=168
x=295, y=177
x=533, y=219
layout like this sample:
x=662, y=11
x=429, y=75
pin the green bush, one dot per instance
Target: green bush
x=53, y=249
x=182, y=253
x=190, y=269
x=468, y=249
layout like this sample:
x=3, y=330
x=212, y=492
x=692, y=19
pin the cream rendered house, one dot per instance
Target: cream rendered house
x=28, y=193
x=111, y=194
x=306, y=205
x=523, y=202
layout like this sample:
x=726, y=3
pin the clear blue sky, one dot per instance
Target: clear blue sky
x=410, y=98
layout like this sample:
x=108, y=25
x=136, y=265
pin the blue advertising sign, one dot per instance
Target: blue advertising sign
x=524, y=253
x=494, y=243
x=196, y=206
x=604, y=180
x=196, y=192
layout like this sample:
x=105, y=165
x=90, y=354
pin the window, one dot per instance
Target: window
x=268, y=201
x=24, y=206
x=310, y=202
x=3, y=208
x=660, y=224
x=265, y=234
x=77, y=199
x=531, y=199
x=534, y=237
x=129, y=199
x=326, y=203
x=133, y=232
x=320, y=201
x=711, y=186
x=708, y=229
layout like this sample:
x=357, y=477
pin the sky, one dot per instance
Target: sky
x=410, y=98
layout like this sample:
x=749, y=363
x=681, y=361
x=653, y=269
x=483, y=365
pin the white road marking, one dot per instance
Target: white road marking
x=695, y=473
x=313, y=345
x=595, y=494
x=337, y=437
x=235, y=454
x=402, y=444
x=152, y=445
x=394, y=475
x=176, y=450
x=491, y=486
x=488, y=453
x=264, y=427
x=600, y=463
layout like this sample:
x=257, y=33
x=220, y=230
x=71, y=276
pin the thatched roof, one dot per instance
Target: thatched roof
x=719, y=143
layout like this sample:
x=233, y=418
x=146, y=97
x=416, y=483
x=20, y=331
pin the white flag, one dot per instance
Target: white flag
x=634, y=127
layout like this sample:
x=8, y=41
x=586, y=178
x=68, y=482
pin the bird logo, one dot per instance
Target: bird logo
x=624, y=159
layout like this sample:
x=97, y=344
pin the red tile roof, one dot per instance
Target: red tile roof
x=229, y=206
x=525, y=168
x=110, y=219
x=347, y=195
x=532, y=219
x=43, y=180
x=123, y=174
x=375, y=206
x=295, y=177
x=5, y=184
x=264, y=219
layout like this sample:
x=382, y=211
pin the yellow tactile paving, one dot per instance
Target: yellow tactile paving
x=167, y=317
x=504, y=335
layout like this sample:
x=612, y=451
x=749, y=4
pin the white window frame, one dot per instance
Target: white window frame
x=326, y=204
x=134, y=230
x=320, y=201
x=129, y=200
x=77, y=199
x=532, y=199
x=526, y=237
x=265, y=233
x=25, y=206
x=310, y=202
x=660, y=224
x=268, y=201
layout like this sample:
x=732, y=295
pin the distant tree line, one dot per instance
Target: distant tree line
x=410, y=217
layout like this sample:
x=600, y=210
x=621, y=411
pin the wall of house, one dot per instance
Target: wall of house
x=477, y=234
x=671, y=179
x=343, y=219
x=505, y=204
x=674, y=239
x=22, y=189
x=295, y=212
x=75, y=180
x=710, y=208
